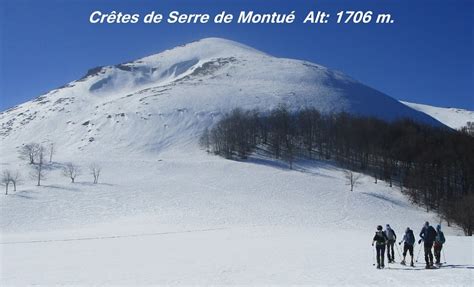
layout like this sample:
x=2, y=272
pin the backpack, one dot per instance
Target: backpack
x=430, y=235
x=440, y=238
x=380, y=237
x=390, y=234
x=410, y=237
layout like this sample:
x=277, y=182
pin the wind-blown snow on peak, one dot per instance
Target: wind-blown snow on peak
x=169, y=65
x=205, y=49
x=167, y=99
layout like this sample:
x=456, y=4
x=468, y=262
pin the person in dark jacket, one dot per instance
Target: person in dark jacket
x=380, y=240
x=409, y=239
x=428, y=235
x=392, y=238
x=438, y=244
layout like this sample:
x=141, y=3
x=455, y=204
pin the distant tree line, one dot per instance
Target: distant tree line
x=468, y=128
x=434, y=166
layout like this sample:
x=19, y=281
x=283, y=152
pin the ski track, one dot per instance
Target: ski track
x=109, y=237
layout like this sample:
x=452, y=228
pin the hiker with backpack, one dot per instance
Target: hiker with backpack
x=438, y=244
x=380, y=239
x=409, y=239
x=392, y=238
x=428, y=235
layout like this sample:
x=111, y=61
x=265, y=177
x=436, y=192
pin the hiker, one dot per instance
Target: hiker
x=438, y=244
x=392, y=238
x=409, y=239
x=428, y=235
x=381, y=239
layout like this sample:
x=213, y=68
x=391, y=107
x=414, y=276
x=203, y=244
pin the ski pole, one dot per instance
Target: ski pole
x=418, y=256
x=375, y=259
x=398, y=250
x=444, y=256
x=388, y=265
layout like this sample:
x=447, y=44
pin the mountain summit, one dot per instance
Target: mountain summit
x=169, y=98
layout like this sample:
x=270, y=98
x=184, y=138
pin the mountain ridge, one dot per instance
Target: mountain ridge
x=455, y=118
x=170, y=97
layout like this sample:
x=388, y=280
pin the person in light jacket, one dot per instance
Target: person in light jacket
x=409, y=239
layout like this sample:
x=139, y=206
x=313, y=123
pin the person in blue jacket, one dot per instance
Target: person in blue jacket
x=438, y=244
x=428, y=235
x=409, y=239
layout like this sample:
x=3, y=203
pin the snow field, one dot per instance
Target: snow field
x=200, y=219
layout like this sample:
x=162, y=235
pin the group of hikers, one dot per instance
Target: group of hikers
x=430, y=237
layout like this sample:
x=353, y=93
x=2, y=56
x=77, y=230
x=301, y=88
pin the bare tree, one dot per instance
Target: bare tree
x=95, y=170
x=289, y=150
x=205, y=140
x=71, y=171
x=51, y=152
x=30, y=152
x=6, y=179
x=39, y=172
x=15, y=179
x=352, y=178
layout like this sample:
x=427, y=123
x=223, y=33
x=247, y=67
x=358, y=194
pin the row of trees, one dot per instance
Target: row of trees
x=35, y=154
x=433, y=166
x=72, y=170
x=468, y=128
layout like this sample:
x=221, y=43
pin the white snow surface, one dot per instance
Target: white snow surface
x=452, y=117
x=199, y=219
x=167, y=213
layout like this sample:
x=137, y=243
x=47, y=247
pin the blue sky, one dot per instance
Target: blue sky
x=426, y=56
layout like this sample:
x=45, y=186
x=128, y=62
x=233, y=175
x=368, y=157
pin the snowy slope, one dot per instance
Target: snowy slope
x=165, y=212
x=201, y=219
x=452, y=117
x=169, y=98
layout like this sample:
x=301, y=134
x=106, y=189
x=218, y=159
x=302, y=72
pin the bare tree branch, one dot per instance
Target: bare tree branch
x=30, y=152
x=95, y=170
x=352, y=178
x=71, y=171
x=6, y=179
x=39, y=173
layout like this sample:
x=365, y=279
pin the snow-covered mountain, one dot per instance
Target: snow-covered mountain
x=452, y=117
x=168, y=98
